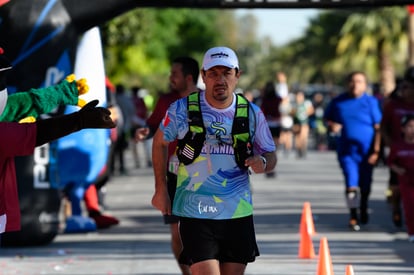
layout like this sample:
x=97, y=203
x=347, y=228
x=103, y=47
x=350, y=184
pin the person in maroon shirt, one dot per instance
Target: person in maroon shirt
x=401, y=161
x=20, y=139
x=183, y=81
x=398, y=104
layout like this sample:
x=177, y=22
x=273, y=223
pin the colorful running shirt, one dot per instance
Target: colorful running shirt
x=213, y=186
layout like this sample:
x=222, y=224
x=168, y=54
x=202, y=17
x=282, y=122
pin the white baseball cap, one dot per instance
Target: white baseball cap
x=220, y=56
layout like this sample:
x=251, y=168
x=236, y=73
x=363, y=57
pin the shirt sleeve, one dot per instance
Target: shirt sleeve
x=376, y=110
x=175, y=124
x=157, y=115
x=261, y=137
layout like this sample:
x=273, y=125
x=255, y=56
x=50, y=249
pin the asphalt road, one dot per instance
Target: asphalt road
x=140, y=243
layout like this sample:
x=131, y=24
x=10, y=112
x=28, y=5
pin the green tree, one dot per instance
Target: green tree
x=140, y=44
x=374, y=41
x=248, y=47
x=339, y=41
x=315, y=51
x=304, y=60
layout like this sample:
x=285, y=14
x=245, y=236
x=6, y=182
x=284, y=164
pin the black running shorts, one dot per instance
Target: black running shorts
x=231, y=241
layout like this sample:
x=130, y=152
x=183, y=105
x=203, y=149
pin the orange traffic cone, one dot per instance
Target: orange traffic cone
x=306, y=221
x=349, y=270
x=325, y=263
x=306, y=250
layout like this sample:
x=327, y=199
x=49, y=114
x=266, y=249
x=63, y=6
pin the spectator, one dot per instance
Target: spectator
x=286, y=124
x=401, y=162
x=183, y=81
x=303, y=109
x=319, y=127
x=141, y=115
x=398, y=104
x=127, y=112
x=281, y=86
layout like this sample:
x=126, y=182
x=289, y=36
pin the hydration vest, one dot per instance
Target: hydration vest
x=189, y=148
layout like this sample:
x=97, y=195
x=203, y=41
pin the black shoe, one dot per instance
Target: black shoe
x=353, y=224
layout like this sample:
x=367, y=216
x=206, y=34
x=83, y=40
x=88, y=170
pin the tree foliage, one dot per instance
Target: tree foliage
x=376, y=42
x=339, y=41
x=140, y=44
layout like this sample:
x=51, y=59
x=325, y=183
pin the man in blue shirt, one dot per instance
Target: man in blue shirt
x=355, y=117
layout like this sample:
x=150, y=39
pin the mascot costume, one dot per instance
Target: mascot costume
x=41, y=40
x=21, y=139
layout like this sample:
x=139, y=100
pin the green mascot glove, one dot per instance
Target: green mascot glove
x=27, y=106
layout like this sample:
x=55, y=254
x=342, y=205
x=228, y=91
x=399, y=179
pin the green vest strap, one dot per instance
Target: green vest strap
x=190, y=146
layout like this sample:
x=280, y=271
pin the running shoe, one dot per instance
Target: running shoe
x=353, y=224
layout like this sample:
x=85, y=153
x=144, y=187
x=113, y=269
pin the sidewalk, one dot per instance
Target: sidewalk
x=140, y=244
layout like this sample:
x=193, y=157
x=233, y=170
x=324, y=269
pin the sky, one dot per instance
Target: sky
x=281, y=25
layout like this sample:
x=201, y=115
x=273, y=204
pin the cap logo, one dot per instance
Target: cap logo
x=219, y=55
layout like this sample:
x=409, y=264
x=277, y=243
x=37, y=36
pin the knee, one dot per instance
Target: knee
x=352, y=198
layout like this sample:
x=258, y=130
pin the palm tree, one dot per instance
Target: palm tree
x=374, y=41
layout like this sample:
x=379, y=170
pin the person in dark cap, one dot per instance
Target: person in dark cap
x=395, y=107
